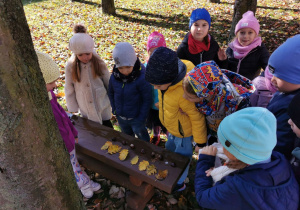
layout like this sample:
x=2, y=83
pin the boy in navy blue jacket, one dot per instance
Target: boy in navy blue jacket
x=285, y=67
x=129, y=93
x=264, y=179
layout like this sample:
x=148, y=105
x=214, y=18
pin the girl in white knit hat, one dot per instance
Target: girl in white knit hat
x=86, y=79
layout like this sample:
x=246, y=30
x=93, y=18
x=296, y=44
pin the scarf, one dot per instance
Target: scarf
x=195, y=46
x=240, y=51
x=132, y=76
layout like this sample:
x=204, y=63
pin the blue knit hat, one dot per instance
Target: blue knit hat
x=163, y=66
x=284, y=61
x=199, y=14
x=249, y=134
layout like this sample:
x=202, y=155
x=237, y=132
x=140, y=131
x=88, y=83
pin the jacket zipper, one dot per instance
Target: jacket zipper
x=201, y=57
x=122, y=98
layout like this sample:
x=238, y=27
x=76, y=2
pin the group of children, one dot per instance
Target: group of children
x=199, y=94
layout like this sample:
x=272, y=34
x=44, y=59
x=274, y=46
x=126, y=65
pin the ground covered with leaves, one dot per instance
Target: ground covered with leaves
x=51, y=24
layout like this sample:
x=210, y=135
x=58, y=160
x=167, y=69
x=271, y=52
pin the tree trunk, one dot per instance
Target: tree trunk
x=108, y=7
x=35, y=170
x=214, y=1
x=240, y=7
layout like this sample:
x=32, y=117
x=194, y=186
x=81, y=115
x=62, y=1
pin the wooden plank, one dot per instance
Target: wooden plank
x=92, y=136
x=136, y=202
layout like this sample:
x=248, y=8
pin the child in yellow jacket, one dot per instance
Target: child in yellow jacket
x=165, y=71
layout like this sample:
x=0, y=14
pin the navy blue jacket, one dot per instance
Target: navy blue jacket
x=262, y=186
x=286, y=138
x=131, y=99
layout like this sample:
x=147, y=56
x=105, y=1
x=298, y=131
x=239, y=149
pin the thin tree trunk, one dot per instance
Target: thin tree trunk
x=240, y=7
x=108, y=7
x=35, y=171
x=214, y=1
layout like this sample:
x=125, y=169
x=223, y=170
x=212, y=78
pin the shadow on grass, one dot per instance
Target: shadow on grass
x=88, y=2
x=25, y=2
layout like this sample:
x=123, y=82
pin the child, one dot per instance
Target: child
x=217, y=93
x=284, y=65
x=68, y=132
x=199, y=46
x=294, y=121
x=264, y=179
x=247, y=54
x=155, y=40
x=165, y=71
x=87, y=79
x=129, y=93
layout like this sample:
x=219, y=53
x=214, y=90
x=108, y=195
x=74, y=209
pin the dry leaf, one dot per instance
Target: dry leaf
x=134, y=160
x=162, y=174
x=123, y=154
x=151, y=169
x=106, y=145
x=112, y=149
x=143, y=165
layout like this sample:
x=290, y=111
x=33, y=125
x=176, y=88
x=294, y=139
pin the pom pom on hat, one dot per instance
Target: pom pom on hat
x=294, y=111
x=124, y=54
x=200, y=14
x=155, y=39
x=284, y=61
x=81, y=43
x=249, y=134
x=248, y=21
x=48, y=67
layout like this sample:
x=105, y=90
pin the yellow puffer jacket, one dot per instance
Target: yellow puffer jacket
x=181, y=125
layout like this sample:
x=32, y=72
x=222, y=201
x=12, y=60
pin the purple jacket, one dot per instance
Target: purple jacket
x=66, y=128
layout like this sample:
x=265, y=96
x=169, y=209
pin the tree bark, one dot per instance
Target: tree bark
x=214, y=1
x=35, y=170
x=240, y=7
x=108, y=7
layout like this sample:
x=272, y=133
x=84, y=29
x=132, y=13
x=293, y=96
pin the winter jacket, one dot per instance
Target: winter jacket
x=260, y=186
x=65, y=126
x=90, y=94
x=131, y=99
x=286, y=138
x=181, y=125
x=251, y=64
x=212, y=54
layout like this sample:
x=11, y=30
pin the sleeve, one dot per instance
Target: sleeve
x=73, y=129
x=70, y=94
x=111, y=94
x=146, y=93
x=208, y=196
x=197, y=119
x=181, y=51
x=264, y=58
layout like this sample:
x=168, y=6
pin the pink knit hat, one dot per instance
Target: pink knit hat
x=248, y=21
x=155, y=39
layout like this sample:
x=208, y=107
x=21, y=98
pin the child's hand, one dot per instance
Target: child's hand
x=222, y=54
x=76, y=140
x=208, y=172
x=209, y=150
x=197, y=149
x=156, y=105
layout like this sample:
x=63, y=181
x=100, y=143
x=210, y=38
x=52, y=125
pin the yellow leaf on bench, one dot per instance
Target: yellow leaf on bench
x=134, y=160
x=162, y=174
x=143, y=165
x=151, y=169
x=106, y=145
x=123, y=154
x=112, y=149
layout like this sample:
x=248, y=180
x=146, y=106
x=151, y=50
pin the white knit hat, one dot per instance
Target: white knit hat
x=48, y=67
x=81, y=43
x=124, y=54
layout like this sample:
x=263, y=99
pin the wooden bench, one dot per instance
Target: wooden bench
x=92, y=136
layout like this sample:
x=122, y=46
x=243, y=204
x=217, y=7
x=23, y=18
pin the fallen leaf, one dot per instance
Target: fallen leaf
x=112, y=149
x=143, y=165
x=106, y=145
x=123, y=154
x=162, y=174
x=134, y=160
x=151, y=169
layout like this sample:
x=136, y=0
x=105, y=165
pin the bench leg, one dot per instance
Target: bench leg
x=137, y=202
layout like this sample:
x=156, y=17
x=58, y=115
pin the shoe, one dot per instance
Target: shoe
x=95, y=186
x=155, y=140
x=84, y=184
x=179, y=188
x=87, y=191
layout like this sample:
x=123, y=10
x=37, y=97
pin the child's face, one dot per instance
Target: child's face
x=84, y=57
x=151, y=50
x=294, y=127
x=284, y=86
x=162, y=87
x=246, y=36
x=125, y=70
x=191, y=97
x=199, y=29
x=228, y=154
x=51, y=86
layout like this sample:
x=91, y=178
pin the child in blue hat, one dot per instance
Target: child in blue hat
x=198, y=45
x=264, y=179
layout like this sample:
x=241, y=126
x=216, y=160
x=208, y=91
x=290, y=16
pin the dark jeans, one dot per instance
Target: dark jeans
x=134, y=127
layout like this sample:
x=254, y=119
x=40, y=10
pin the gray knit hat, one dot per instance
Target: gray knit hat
x=124, y=54
x=81, y=43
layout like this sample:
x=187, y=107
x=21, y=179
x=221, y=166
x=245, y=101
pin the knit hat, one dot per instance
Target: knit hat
x=124, y=54
x=200, y=14
x=205, y=78
x=248, y=21
x=249, y=134
x=155, y=39
x=48, y=67
x=294, y=111
x=163, y=66
x=284, y=61
x=81, y=43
